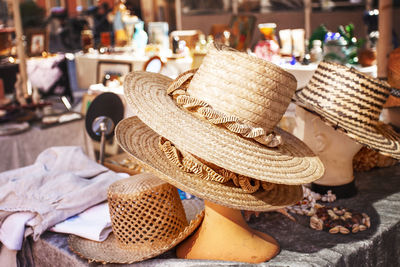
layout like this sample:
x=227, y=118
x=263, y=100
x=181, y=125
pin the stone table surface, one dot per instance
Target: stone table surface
x=378, y=196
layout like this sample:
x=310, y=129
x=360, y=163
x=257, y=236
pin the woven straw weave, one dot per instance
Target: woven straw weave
x=152, y=217
x=222, y=82
x=352, y=102
x=147, y=218
x=143, y=143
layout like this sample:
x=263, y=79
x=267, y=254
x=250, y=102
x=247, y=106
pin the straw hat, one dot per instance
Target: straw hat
x=147, y=219
x=220, y=117
x=352, y=102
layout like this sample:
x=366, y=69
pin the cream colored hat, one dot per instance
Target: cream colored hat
x=147, y=218
x=352, y=102
x=224, y=116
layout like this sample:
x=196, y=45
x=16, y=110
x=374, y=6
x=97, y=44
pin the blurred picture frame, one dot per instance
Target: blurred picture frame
x=107, y=70
x=37, y=41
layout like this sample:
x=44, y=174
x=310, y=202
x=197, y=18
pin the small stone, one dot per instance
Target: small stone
x=333, y=215
x=334, y=230
x=344, y=230
x=316, y=223
x=347, y=215
x=355, y=228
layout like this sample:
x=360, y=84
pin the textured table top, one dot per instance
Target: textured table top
x=378, y=196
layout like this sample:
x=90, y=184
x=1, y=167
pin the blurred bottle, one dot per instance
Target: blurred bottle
x=121, y=37
x=140, y=37
x=316, y=52
x=268, y=49
x=201, y=44
x=87, y=40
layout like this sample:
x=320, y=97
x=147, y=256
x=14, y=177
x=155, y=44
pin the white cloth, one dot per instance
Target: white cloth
x=94, y=223
x=61, y=183
x=44, y=72
x=13, y=229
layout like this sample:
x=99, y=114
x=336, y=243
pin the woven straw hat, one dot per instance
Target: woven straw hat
x=223, y=116
x=147, y=218
x=352, y=102
x=143, y=143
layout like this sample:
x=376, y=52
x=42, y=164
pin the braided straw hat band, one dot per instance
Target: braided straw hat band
x=142, y=143
x=207, y=171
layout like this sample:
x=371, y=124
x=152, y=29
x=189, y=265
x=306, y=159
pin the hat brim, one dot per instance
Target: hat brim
x=381, y=137
x=109, y=251
x=137, y=139
x=291, y=163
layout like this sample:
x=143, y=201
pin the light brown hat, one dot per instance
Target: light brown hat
x=147, y=218
x=351, y=102
x=223, y=116
x=228, y=116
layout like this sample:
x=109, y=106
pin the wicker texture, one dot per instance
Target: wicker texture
x=367, y=159
x=291, y=163
x=351, y=102
x=143, y=143
x=150, y=218
x=147, y=218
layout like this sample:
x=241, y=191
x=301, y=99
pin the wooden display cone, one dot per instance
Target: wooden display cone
x=224, y=235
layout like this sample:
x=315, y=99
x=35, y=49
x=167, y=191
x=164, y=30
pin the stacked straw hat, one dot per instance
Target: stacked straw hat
x=212, y=132
x=352, y=102
x=147, y=218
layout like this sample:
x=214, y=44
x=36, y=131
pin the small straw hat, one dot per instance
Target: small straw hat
x=223, y=116
x=352, y=102
x=147, y=218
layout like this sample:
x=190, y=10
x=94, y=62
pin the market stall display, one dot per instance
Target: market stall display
x=221, y=153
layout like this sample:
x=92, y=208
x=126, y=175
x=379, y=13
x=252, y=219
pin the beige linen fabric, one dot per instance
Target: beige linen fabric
x=61, y=183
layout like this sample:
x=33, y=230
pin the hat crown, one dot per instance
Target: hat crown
x=145, y=211
x=234, y=83
x=346, y=92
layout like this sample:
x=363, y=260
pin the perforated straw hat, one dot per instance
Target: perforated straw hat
x=351, y=102
x=222, y=116
x=147, y=218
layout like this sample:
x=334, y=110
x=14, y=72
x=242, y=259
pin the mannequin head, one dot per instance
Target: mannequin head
x=335, y=149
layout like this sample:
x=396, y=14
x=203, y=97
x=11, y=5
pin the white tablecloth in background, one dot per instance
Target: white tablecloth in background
x=22, y=149
x=86, y=66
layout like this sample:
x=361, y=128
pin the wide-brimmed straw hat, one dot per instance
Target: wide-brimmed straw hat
x=142, y=143
x=147, y=218
x=352, y=102
x=223, y=116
